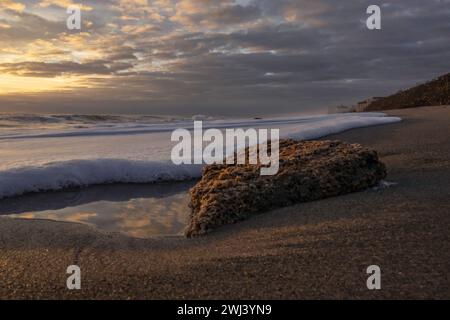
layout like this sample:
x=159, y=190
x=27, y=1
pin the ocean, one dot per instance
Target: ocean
x=114, y=172
x=54, y=152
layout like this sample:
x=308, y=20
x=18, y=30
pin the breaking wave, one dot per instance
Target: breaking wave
x=148, y=162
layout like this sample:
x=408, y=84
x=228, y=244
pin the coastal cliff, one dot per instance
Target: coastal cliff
x=432, y=93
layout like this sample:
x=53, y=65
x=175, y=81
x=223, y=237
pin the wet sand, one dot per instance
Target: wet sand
x=313, y=250
x=137, y=210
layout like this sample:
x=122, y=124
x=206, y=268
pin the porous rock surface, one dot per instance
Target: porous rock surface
x=309, y=170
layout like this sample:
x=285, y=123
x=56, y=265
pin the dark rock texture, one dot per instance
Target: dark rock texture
x=309, y=170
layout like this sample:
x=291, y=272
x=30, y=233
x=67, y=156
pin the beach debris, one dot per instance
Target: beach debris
x=309, y=170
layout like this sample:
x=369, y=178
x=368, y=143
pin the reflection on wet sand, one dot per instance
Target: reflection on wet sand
x=136, y=210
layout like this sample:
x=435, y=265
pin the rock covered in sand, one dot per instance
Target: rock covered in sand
x=309, y=170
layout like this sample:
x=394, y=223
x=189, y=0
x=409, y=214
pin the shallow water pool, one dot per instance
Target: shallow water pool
x=140, y=211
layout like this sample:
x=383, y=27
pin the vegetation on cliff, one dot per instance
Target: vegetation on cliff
x=433, y=93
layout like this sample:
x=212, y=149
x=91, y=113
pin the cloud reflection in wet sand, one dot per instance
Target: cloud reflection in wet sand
x=138, y=217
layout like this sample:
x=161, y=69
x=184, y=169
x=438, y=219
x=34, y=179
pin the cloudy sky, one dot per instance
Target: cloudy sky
x=214, y=56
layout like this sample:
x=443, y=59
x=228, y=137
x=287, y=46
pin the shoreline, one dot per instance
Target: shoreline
x=44, y=162
x=312, y=250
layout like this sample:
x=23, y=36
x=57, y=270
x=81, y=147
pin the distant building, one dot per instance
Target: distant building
x=341, y=109
x=362, y=106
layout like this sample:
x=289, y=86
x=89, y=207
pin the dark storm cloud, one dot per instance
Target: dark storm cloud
x=220, y=16
x=259, y=56
x=44, y=69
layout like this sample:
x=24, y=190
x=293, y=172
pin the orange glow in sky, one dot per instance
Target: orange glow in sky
x=10, y=84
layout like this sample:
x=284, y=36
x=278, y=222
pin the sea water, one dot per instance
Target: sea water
x=48, y=153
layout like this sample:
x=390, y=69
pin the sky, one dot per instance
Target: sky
x=218, y=57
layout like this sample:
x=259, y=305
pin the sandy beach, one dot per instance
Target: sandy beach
x=315, y=250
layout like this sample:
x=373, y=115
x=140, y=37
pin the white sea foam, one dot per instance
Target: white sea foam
x=138, y=151
x=79, y=173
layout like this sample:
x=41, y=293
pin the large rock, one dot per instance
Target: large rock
x=309, y=170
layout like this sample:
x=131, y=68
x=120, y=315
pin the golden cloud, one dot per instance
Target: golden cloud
x=63, y=4
x=13, y=5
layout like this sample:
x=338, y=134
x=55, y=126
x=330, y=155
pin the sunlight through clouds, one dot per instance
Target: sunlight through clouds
x=10, y=84
x=12, y=5
x=63, y=4
x=172, y=55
